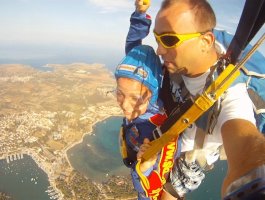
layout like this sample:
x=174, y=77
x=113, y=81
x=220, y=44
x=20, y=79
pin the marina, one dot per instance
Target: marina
x=10, y=158
x=23, y=179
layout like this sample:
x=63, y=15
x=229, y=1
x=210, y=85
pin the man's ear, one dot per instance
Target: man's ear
x=207, y=41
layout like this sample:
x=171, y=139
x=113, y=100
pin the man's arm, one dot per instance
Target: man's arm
x=245, y=149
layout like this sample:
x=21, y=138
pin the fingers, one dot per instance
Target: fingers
x=146, y=141
x=142, y=5
x=146, y=145
x=145, y=164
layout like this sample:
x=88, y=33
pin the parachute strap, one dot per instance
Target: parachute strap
x=153, y=183
x=259, y=104
x=123, y=149
x=255, y=19
x=128, y=154
x=206, y=123
x=201, y=104
x=252, y=73
x=251, y=20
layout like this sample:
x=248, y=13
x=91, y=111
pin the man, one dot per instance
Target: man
x=186, y=44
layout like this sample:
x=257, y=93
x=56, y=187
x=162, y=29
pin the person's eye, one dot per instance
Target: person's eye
x=135, y=99
x=119, y=96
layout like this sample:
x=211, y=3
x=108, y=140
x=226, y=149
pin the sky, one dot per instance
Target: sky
x=38, y=32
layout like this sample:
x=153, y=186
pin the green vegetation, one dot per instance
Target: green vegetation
x=81, y=188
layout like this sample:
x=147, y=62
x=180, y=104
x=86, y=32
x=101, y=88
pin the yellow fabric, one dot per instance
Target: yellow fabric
x=201, y=105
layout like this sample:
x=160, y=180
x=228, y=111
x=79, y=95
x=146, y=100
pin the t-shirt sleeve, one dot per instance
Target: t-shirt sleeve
x=236, y=105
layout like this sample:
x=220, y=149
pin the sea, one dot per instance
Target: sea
x=23, y=179
x=97, y=157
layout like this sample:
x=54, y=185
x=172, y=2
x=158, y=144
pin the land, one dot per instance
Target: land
x=44, y=113
x=4, y=196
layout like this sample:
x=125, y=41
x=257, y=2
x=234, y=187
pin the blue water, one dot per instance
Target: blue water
x=23, y=179
x=44, y=69
x=98, y=155
x=210, y=189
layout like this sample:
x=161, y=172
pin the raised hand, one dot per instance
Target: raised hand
x=142, y=5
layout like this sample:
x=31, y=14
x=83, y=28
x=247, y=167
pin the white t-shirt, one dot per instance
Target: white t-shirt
x=236, y=105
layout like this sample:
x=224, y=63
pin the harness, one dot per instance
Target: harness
x=133, y=134
x=206, y=123
x=131, y=137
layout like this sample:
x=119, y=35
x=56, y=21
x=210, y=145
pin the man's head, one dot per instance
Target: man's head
x=183, y=32
x=138, y=81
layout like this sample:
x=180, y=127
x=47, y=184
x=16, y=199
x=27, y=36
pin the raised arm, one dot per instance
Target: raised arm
x=140, y=24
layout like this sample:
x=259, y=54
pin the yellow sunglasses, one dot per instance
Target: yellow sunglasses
x=170, y=40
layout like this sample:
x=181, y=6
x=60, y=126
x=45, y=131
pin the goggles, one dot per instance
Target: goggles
x=134, y=100
x=170, y=40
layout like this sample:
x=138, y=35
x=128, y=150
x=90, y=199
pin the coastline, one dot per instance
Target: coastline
x=42, y=165
x=82, y=138
x=54, y=117
x=46, y=166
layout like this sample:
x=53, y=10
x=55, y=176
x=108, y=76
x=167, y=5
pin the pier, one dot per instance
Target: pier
x=14, y=156
x=53, y=194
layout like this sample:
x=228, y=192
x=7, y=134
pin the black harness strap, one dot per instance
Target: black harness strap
x=251, y=20
x=165, y=94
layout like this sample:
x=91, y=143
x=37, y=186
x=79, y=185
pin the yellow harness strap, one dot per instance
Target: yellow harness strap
x=201, y=104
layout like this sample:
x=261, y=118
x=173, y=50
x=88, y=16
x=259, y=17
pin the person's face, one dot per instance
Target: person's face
x=182, y=58
x=133, y=97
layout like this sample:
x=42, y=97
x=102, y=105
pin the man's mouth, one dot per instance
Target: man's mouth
x=166, y=63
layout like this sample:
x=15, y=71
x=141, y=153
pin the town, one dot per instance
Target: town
x=44, y=113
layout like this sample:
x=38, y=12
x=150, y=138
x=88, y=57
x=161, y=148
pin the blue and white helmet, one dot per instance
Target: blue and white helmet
x=143, y=65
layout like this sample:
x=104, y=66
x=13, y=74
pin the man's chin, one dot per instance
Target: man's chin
x=176, y=71
x=171, y=71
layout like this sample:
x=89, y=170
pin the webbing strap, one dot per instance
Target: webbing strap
x=207, y=99
x=251, y=20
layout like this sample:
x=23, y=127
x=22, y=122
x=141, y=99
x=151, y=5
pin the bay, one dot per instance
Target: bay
x=23, y=179
x=98, y=156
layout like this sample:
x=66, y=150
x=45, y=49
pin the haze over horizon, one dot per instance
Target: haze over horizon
x=38, y=32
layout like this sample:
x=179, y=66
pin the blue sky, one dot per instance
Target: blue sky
x=62, y=31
